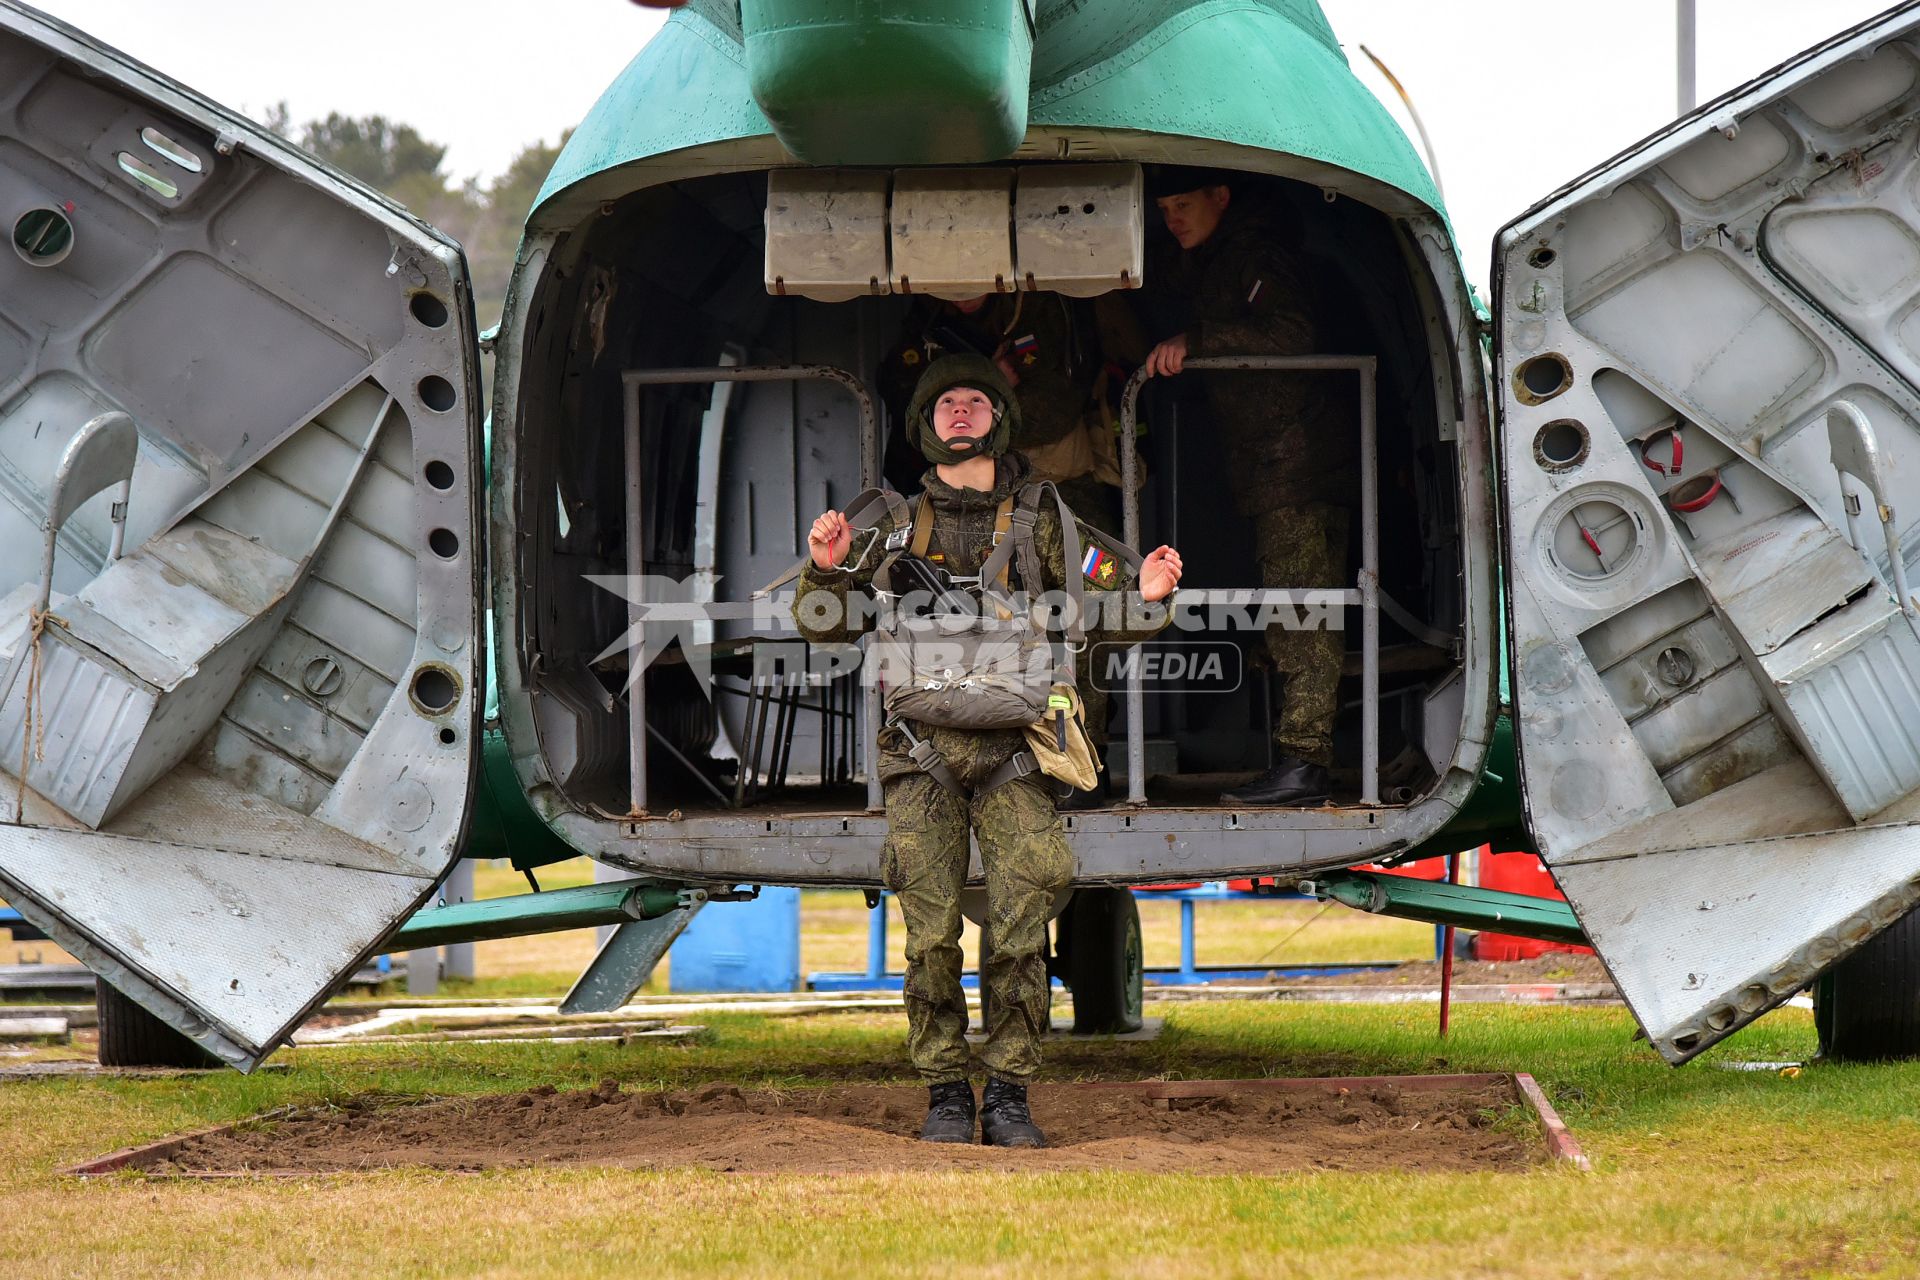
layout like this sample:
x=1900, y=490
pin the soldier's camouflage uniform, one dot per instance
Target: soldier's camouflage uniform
x=1291, y=439
x=1023, y=850
x=1057, y=365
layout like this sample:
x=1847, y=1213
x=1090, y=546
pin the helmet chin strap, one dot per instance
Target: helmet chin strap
x=960, y=448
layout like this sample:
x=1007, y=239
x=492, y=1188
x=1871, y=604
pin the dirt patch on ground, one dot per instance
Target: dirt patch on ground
x=863, y=1129
x=1564, y=967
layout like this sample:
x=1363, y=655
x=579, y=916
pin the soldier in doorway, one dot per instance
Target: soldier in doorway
x=1292, y=455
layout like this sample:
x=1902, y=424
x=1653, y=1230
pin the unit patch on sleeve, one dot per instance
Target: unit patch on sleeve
x=1099, y=568
x=1027, y=348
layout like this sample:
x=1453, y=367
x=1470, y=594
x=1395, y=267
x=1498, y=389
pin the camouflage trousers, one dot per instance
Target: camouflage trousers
x=1026, y=859
x=1303, y=547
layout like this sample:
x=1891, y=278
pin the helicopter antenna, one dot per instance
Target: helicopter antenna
x=1433, y=163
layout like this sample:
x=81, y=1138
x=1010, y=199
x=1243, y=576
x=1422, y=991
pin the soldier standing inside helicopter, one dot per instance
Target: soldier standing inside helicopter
x=1292, y=456
x=961, y=418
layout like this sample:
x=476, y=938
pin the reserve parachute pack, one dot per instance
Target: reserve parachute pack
x=976, y=656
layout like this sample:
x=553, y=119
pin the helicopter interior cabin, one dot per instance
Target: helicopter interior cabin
x=722, y=477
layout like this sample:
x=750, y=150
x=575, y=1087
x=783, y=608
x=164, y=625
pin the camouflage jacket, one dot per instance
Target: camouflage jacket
x=962, y=539
x=1034, y=331
x=1290, y=438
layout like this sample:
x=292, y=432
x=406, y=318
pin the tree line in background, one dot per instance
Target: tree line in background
x=393, y=157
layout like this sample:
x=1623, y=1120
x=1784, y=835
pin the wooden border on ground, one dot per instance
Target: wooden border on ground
x=1560, y=1143
x=149, y=1154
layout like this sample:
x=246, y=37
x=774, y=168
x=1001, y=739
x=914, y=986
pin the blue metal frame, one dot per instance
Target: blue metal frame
x=877, y=978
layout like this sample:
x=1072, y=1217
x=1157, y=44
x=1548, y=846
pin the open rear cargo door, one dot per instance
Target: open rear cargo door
x=1717, y=654
x=247, y=719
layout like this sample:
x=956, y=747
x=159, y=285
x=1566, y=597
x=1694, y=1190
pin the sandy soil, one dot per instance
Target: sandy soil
x=865, y=1129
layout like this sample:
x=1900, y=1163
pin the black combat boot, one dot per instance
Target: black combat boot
x=1004, y=1118
x=1293, y=783
x=949, y=1113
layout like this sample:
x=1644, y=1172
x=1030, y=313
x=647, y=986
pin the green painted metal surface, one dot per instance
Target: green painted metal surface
x=1462, y=905
x=504, y=824
x=1185, y=68
x=1190, y=67
x=585, y=907
x=891, y=81
x=1494, y=813
x=686, y=88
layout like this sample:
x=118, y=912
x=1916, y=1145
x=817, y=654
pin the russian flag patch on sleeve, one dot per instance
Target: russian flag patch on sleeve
x=1098, y=567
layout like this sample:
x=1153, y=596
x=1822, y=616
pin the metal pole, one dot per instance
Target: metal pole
x=1686, y=55
x=459, y=888
x=1419, y=125
x=636, y=567
x=1369, y=577
x=1369, y=587
x=1130, y=534
x=423, y=971
x=1188, y=966
x=1446, y=954
x=877, y=940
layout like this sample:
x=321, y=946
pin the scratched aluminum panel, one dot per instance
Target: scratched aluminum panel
x=316, y=306
x=245, y=820
x=1648, y=280
x=92, y=715
x=251, y=941
x=1691, y=284
x=1860, y=716
x=163, y=614
x=1702, y=941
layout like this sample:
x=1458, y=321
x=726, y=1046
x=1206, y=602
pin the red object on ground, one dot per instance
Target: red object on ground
x=1446, y=954
x=1518, y=873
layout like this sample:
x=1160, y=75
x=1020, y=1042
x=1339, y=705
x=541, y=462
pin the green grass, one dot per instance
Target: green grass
x=1700, y=1171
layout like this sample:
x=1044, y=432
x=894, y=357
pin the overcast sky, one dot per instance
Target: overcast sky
x=1519, y=95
